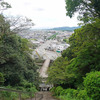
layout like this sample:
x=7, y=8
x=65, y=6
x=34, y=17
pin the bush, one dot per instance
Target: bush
x=53, y=89
x=5, y=95
x=1, y=79
x=63, y=92
x=82, y=95
x=72, y=92
x=67, y=97
x=92, y=85
x=58, y=90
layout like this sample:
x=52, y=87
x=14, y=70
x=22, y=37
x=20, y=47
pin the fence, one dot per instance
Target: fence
x=17, y=91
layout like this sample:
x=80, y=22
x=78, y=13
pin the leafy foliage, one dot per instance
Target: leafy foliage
x=1, y=79
x=80, y=58
x=88, y=9
x=4, y=5
x=15, y=61
x=70, y=94
x=57, y=71
x=92, y=85
x=15, y=96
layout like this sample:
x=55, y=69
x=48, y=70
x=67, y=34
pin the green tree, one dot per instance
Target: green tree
x=15, y=60
x=4, y=5
x=88, y=9
x=82, y=56
x=85, y=54
x=56, y=73
x=92, y=85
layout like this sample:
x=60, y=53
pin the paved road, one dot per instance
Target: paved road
x=43, y=96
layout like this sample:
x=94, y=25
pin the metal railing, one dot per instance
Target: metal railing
x=17, y=91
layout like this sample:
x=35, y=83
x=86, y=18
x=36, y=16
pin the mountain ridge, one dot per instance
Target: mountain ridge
x=65, y=28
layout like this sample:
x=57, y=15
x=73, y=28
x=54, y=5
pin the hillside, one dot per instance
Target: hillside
x=65, y=28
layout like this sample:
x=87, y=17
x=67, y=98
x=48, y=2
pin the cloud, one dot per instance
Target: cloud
x=38, y=9
x=44, y=13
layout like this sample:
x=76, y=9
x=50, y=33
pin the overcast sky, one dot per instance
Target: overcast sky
x=44, y=13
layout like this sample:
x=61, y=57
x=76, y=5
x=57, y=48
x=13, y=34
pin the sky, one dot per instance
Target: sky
x=44, y=13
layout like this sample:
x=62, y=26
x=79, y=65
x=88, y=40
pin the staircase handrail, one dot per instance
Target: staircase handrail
x=17, y=91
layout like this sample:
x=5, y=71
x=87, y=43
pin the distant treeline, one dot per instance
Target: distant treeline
x=65, y=28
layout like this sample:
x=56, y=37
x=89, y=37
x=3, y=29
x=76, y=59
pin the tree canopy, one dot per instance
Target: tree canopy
x=81, y=57
x=16, y=63
x=20, y=24
x=77, y=71
x=88, y=9
x=4, y=5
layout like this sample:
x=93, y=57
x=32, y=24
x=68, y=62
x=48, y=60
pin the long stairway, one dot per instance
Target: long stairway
x=44, y=94
x=43, y=74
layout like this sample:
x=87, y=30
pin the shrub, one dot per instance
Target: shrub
x=82, y=95
x=67, y=97
x=1, y=79
x=53, y=89
x=92, y=85
x=58, y=90
x=63, y=92
x=72, y=92
x=5, y=95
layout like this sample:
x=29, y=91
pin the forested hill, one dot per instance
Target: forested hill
x=65, y=28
